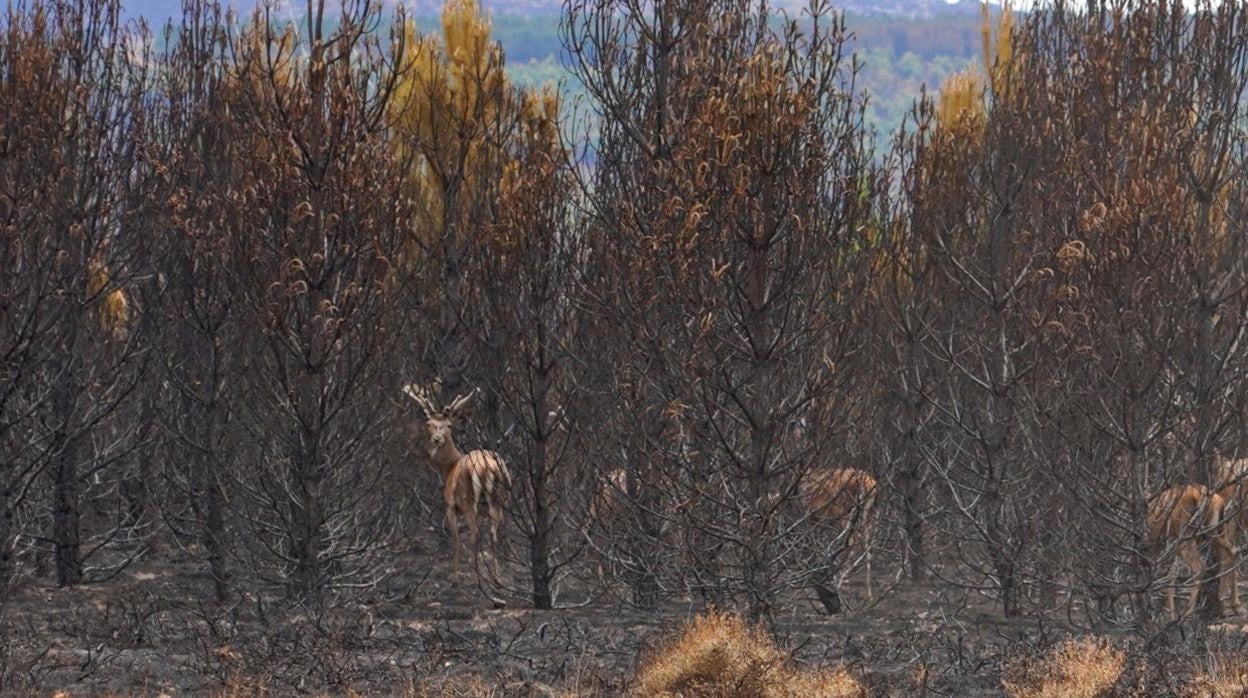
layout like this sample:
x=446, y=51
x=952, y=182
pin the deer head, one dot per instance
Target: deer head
x=438, y=422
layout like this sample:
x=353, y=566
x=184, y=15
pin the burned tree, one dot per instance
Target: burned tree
x=316, y=220
x=734, y=185
x=72, y=182
x=198, y=308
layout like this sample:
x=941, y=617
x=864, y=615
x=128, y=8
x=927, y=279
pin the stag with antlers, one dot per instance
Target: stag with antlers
x=475, y=483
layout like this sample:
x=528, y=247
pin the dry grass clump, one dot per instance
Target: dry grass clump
x=1224, y=677
x=451, y=687
x=1083, y=668
x=719, y=655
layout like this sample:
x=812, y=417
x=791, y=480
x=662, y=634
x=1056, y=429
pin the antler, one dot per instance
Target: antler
x=556, y=416
x=421, y=397
x=461, y=404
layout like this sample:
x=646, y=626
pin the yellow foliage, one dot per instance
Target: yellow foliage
x=998, y=50
x=454, y=114
x=1083, y=668
x=453, y=94
x=539, y=113
x=113, y=311
x=462, y=80
x=963, y=105
x=720, y=655
x=961, y=111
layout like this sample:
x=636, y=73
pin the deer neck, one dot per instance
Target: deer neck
x=445, y=457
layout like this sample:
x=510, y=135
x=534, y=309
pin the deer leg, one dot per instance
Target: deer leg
x=452, y=527
x=1227, y=554
x=1194, y=562
x=1229, y=578
x=1171, y=580
x=1168, y=578
x=496, y=520
x=1228, y=575
x=827, y=584
x=830, y=597
x=474, y=539
x=870, y=596
x=1232, y=577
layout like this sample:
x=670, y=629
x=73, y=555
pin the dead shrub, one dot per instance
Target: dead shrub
x=1077, y=668
x=1222, y=677
x=453, y=687
x=720, y=655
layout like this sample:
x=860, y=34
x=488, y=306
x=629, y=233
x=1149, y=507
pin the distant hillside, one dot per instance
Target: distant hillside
x=899, y=54
x=896, y=8
x=902, y=44
x=157, y=11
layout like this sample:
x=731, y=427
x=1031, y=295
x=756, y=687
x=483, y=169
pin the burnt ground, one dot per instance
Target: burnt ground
x=146, y=632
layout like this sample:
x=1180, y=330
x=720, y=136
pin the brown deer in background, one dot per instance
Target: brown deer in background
x=607, y=510
x=475, y=483
x=1189, y=516
x=842, y=502
x=1231, y=478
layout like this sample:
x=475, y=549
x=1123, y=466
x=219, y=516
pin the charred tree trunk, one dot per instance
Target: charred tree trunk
x=911, y=485
x=66, y=488
x=7, y=561
x=540, y=561
x=66, y=535
x=306, y=578
x=543, y=521
x=214, y=540
x=758, y=580
x=1000, y=552
x=136, y=487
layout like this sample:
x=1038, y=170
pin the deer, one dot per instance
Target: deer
x=1231, y=476
x=608, y=507
x=608, y=500
x=842, y=501
x=474, y=483
x=1188, y=516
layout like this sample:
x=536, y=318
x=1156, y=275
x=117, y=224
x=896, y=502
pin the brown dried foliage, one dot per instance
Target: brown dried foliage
x=720, y=655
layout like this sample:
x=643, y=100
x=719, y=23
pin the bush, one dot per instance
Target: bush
x=1083, y=668
x=720, y=655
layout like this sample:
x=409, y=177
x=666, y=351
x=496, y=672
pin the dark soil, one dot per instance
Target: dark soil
x=152, y=630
